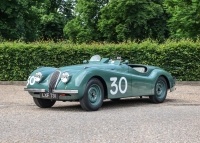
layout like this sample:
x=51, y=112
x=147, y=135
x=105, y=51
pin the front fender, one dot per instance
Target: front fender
x=46, y=72
x=77, y=82
x=80, y=79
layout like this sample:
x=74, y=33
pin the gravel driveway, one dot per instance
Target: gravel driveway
x=124, y=121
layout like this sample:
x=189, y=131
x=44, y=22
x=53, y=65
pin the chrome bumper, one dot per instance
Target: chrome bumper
x=65, y=91
x=34, y=90
x=54, y=91
x=173, y=88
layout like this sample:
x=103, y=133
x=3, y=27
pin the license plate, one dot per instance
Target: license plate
x=49, y=95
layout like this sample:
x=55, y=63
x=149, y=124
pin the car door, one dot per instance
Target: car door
x=119, y=82
x=142, y=84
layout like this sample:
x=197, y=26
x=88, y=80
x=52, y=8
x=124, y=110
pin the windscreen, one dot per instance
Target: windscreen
x=95, y=58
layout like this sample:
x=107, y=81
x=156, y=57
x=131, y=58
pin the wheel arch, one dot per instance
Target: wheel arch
x=167, y=80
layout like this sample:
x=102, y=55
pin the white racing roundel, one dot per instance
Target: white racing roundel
x=31, y=80
x=118, y=87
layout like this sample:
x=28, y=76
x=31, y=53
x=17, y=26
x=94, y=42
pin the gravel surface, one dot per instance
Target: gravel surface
x=124, y=121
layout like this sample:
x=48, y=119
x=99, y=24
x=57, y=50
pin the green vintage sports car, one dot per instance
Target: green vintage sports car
x=96, y=80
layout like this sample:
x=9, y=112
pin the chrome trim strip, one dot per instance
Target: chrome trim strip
x=34, y=90
x=58, y=79
x=65, y=91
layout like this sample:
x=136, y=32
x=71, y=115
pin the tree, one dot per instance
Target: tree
x=133, y=19
x=18, y=20
x=185, y=18
x=30, y=20
x=56, y=13
x=84, y=27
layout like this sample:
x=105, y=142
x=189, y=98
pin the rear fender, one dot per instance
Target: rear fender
x=169, y=79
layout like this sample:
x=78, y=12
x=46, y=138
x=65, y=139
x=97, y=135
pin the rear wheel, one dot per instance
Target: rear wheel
x=160, y=91
x=93, y=96
x=44, y=103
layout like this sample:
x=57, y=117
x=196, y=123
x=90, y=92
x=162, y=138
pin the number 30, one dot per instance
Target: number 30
x=114, y=80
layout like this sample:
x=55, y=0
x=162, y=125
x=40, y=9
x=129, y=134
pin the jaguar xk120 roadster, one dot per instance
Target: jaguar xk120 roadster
x=96, y=80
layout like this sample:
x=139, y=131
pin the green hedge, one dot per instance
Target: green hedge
x=18, y=60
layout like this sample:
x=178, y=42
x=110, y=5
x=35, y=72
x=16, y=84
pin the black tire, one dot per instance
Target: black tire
x=93, y=96
x=160, y=91
x=44, y=103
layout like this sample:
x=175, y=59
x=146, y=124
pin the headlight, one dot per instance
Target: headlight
x=65, y=77
x=38, y=77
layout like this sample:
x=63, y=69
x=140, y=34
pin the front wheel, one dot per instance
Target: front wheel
x=44, y=103
x=160, y=91
x=93, y=95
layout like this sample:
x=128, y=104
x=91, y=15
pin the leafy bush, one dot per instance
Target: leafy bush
x=18, y=60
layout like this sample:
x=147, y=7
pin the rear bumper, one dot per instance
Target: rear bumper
x=54, y=91
x=173, y=88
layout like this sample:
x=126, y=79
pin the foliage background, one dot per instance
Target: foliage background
x=181, y=58
x=52, y=32
x=90, y=21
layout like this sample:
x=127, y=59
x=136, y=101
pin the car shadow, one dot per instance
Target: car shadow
x=109, y=104
x=124, y=103
x=76, y=107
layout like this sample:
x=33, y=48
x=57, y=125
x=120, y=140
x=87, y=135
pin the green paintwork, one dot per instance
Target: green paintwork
x=120, y=80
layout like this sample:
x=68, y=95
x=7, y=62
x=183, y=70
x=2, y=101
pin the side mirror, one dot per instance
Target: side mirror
x=85, y=61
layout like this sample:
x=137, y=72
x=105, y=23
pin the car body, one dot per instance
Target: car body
x=96, y=80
